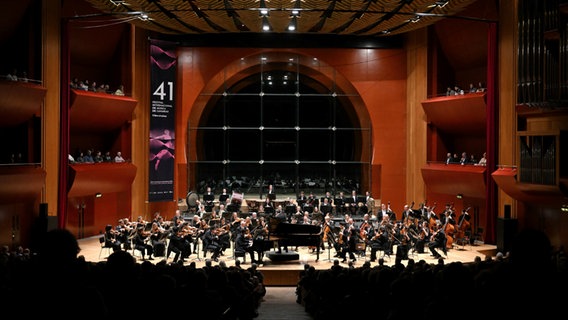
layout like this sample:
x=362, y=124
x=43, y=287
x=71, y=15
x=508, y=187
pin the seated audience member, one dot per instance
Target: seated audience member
x=480, y=87
x=483, y=160
x=119, y=91
x=80, y=158
x=472, y=88
x=88, y=158
x=472, y=159
x=99, y=157
x=118, y=157
x=107, y=157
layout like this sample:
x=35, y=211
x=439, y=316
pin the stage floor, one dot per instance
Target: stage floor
x=286, y=272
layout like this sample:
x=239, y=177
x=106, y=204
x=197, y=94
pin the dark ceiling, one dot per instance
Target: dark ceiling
x=98, y=25
x=342, y=17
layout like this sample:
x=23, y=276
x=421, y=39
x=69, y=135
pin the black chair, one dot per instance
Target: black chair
x=105, y=246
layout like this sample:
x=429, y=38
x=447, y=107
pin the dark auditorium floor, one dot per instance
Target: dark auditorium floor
x=280, y=300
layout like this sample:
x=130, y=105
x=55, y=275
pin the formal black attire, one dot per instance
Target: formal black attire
x=211, y=244
x=178, y=245
x=141, y=245
x=351, y=235
x=380, y=242
x=438, y=242
x=243, y=245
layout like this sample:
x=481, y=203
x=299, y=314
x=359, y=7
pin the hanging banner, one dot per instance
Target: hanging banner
x=162, y=121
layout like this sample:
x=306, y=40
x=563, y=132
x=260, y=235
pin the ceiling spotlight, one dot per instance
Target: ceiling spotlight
x=143, y=16
x=265, y=24
x=263, y=10
x=98, y=195
x=293, y=24
x=415, y=19
x=118, y=2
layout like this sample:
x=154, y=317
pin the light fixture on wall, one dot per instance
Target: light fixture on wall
x=98, y=195
x=459, y=196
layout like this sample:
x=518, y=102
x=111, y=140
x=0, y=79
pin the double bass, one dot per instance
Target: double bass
x=463, y=224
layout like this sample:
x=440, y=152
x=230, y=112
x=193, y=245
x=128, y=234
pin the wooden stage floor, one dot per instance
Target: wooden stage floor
x=285, y=273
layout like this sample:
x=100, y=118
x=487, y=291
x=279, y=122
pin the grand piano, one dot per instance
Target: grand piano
x=283, y=233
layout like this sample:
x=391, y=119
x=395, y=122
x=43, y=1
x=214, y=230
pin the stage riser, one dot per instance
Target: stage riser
x=280, y=277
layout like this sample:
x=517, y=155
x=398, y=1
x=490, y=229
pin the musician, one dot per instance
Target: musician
x=402, y=240
x=253, y=220
x=365, y=228
x=312, y=200
x=301, y=198
x=352, y=202
x=380, y=241
x=140, y=243
x=328, y=237
x=340, y=203
x=325, y=207
x=306, y=218
x=208, y=199
x=201, y=210
x=177, y=218
x=158, y=239
x=406, y=213
x=268, y=207
x=223, y=231
x=178, y=245
x=244, y=242
x=224, y=196
x=386, y=212
x=270, y=192
x=123, y=233
x=351, y=234
x=259, y=235
x=424, y=237
x=438, y=241
x=211, y=244
x=279, y=213
x=111, y=237
x=329, y=198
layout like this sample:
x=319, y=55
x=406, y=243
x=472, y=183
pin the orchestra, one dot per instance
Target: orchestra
x=350, y=233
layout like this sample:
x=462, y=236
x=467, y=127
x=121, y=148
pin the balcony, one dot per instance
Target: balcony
x=90, y=179
x=453, y=179
x=506, y=179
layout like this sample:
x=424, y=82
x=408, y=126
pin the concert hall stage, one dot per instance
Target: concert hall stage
x=283, y=272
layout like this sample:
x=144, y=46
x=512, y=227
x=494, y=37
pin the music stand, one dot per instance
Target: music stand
x=290, y=209
x=339, y=205
x=268, y=210
x=271, y=196
x=223, y=198
x=325, y=209
x=308, y=208
x=208, y=197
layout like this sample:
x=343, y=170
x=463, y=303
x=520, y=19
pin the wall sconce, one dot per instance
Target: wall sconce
x=98, y=195
x=459, y=196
